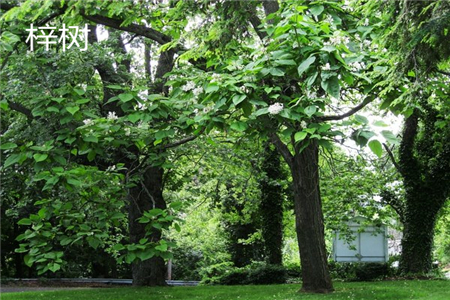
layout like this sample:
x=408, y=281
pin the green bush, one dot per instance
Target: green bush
x=371, y=271
x=359, y=271
x=255, y=273
x=212, y=274
x=267, y=274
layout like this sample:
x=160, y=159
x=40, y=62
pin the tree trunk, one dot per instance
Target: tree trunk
x=146, y=195
x=309, y=220
x=271, y=206
x=418, y=232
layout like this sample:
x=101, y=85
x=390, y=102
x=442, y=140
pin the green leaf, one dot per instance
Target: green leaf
x=54, y=267
x=118, y=247
x=7, y=146
x=286, y=62
x=380, y=124
x=29, y=260
x=82, y=101
x=114, y=87
x=316, y=10
x=24, y=221
x=147, y=254
x=126, y=97
x=376, y=147
x=90, y=138
x=361, y=119
x=310, y=110
x=161, y=247
x=38, y=157
x=65, y=241
x=300, y=136
x=74, y=182
x=212, y=87
x=239, y=126
x=390, y=137
x=133, y=118
x=276, y=72
x=332, y=87
x=72, y=109
x=79, y=91
x=305, y=65
x=12, y=159
x=238, y=99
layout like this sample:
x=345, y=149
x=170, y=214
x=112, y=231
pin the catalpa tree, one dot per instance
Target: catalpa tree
x=306, y=69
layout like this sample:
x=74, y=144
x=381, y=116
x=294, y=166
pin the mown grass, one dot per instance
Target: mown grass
x=383, y=290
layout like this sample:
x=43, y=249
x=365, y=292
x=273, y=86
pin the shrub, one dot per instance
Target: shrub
x=255, y=273
x=267, y=274
x=371, y=271
x=359, y=271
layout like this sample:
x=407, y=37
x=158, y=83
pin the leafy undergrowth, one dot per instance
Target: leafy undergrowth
x=395, y=290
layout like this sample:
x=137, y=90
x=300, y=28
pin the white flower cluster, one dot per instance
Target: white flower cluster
x=127, y=131
x=190, y=85
x=197, y=91
x=112, y=116
x=215, y=77
x=311, y=95
x=337, y=40
x=276, y=108
x=111, y=168
x=356, y=66
x=327, y=67
x=303, y=124
x=207, y=109
x=88, y=122
x=245, y=89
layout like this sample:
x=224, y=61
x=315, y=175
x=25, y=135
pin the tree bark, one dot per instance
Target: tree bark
x=271, y=207
x=418, y=232
x=144, y=196
x=309, y=220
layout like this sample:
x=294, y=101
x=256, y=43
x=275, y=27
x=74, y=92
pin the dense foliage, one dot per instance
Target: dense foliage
x=225, y=137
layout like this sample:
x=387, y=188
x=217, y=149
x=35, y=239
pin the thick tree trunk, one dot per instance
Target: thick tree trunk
x=146, y=195
x=309, y=221
x=418, y=232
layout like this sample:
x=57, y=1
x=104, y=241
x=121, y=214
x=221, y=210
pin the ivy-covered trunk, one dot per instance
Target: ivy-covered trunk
x=424, y=161
x=309, y=220
x=417, y=242
x=144, y=196
x=271, y=207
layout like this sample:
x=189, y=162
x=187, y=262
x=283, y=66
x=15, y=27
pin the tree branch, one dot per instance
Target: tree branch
x=443, y=72
x=141, y=30
x=20, y=108
x=184, y=140
x=354, y=110
x=282, y=148
x=391, y=156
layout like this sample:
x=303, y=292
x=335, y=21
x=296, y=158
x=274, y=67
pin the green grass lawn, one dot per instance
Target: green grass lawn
x=395, y=290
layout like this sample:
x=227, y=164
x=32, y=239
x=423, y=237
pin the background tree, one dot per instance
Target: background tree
x=419, y=48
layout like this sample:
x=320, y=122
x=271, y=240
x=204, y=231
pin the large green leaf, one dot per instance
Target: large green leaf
x=38, y=157
x=72, y=109
x=390, y=137
x=126, y=97
x=305, y=65
x=7, y=146
x=376, y=147
x=239, y=126
x=300, y=136
x=332, y=87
